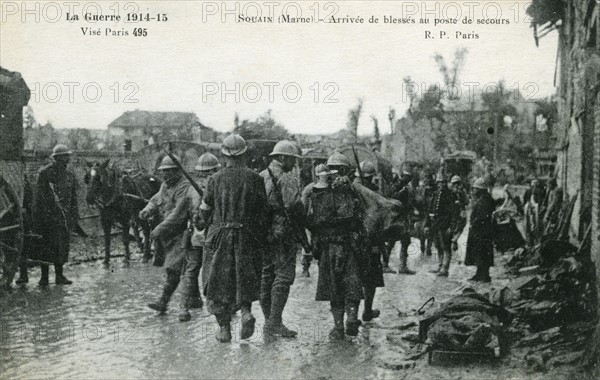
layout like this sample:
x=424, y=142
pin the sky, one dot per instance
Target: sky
x=201, y=60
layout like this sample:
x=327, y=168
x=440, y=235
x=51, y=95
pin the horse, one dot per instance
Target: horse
x=120, y=196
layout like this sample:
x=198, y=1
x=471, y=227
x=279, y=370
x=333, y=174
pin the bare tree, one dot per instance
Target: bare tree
x=391, y=117
x=376, y=133
x=353, y=117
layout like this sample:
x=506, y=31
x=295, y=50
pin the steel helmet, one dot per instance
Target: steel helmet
x=167, y=163
x=285, y=148
x=338, y=159
x=480, y=184
x=367, y=168
x=455, y=179
x=322, y=170
x=60, y=150
x=207, y=162
x=234, y=145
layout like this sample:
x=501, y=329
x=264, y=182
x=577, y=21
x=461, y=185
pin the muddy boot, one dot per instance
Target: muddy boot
x=44, y=279
x=337, y=333
x=403, y=269
x=446, y=265
x=23, y=275
x=184, y=315
x=196, y=303
x=369, y=315
x=274, y=325
x=248, y=322
x=224, y=334
x=168, y=290
x=60, y=278
x=352, y=321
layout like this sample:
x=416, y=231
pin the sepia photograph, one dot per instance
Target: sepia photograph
x=308, y=189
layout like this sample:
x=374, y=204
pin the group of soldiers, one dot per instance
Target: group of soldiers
x=242, y=230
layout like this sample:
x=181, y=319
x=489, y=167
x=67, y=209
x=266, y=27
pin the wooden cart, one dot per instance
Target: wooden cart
x=14, y=95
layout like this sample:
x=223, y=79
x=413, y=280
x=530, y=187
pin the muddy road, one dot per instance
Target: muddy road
x=100, y=327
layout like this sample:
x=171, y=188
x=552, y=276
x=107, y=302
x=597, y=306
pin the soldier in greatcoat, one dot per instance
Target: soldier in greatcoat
x=480, y=242
x=56, y=213
x=333, y=215
x=234, y=207
x=172, y=206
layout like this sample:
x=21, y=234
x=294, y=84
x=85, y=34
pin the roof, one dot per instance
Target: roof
x=150, y=119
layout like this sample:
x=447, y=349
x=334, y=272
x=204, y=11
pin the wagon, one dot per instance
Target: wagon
x=14, y=95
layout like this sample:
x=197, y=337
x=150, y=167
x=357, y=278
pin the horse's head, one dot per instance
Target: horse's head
x=102, y=182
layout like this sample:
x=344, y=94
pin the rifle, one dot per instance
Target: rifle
x=185, y=174
x=299, y=235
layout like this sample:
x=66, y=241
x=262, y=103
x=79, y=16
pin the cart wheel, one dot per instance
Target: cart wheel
x=11, y=233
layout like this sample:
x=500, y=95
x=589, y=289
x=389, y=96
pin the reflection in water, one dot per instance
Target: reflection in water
x=100, y=327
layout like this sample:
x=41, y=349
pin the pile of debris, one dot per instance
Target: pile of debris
x=553, y=296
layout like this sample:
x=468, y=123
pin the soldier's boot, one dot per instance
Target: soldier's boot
x=168, y=290
x=60, y=278
x=224, y=334
x=446, y=265
x=274, y=325
x=184, y=315
x=403, y=269
x=352, y=321
x=248, y=322
x=23, y=275
x=337, y=333
x=369, y=313
x=44, y=279
x=440, y=262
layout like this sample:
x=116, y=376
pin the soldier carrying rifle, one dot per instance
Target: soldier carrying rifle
x=286, y=231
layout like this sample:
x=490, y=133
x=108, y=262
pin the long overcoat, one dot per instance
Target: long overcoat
x=232, y=262
x=55, y=213
x=480, y=242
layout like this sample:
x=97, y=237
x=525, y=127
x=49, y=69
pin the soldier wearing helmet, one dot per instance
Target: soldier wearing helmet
x=206, y=166
x=235, y=203
x=325, y=178
x=372, y=271
x=340, y=163
x=55, y=213
x=404, y=192
x=368, y=171
x=440, y=223
x=480, y=242
x=283, y=188
x=172, y=206
x=333, y=211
